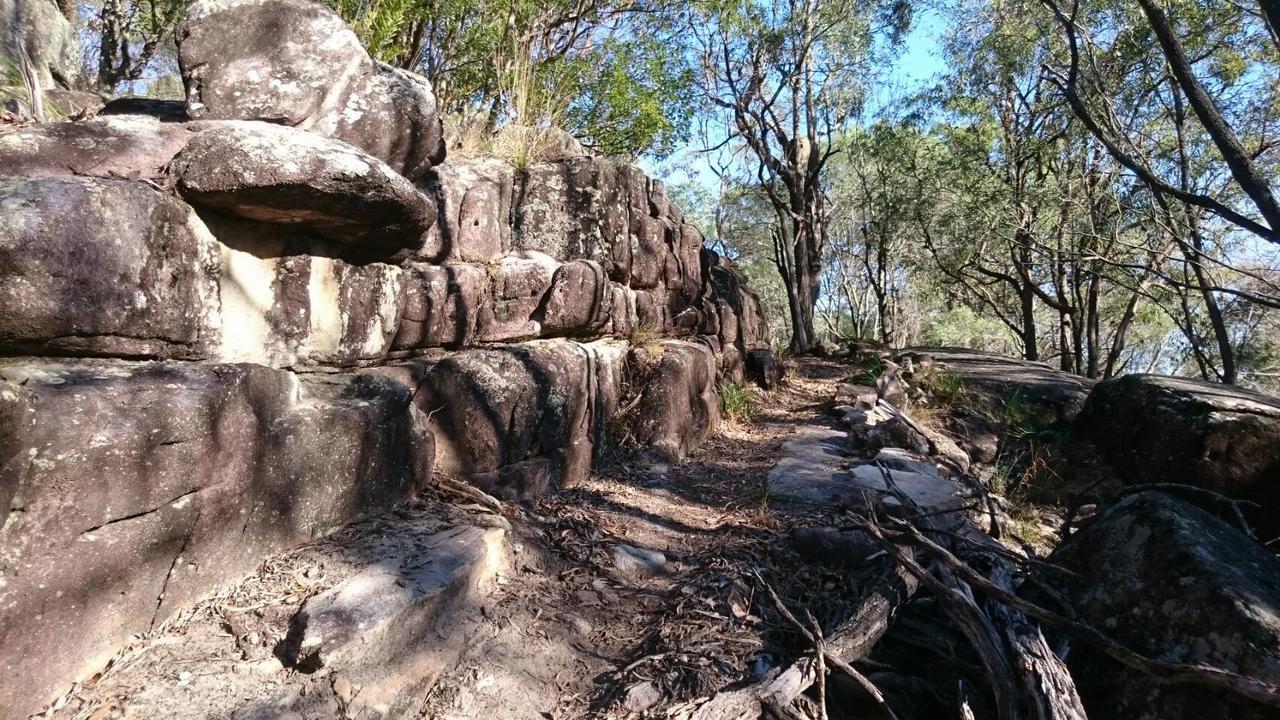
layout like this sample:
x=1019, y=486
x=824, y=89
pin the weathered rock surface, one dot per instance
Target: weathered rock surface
x=1157, y=429
x=161, y=481
x=679, y=406
x=121, y=146
x=540, y=410
x=295, y=62
x=811, y=469
x=474, y=222
x=582, y=208
x=277, y=174
x=284, y=307
x=1170, y=581
x=103, y=267
x=442, y=303
x=47, y=38
x=388, y=630
x=1047, y=395
x=517, y=284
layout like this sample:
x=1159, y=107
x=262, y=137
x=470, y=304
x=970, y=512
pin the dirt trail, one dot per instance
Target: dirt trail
x=598, y=640
x=621, y=595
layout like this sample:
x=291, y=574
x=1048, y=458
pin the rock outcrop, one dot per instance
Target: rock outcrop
x=37, y=29
x=1170, y=581
x=231, y=327
x=1157, y=429
x=294, y=62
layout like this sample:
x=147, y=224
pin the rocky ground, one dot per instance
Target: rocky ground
x=621, y=595
x=660, y=589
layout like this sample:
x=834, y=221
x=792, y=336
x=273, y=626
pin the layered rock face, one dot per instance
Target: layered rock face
x=233, y=328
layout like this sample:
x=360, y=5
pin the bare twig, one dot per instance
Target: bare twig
x=1187, y=673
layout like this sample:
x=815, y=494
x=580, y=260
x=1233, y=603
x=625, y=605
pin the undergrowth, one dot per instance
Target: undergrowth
x=737, y=402
x=948, y=389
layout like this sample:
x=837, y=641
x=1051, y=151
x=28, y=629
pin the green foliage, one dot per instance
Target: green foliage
x=606, y=70
x=949, y=389
x=737, y=401
x=867, y=370
x=631, y=96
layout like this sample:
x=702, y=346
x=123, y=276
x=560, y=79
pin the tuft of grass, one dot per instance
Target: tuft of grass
x=647, y=336
x=520, y=146
x=737, y=402
x=949, y=389
x=1031, y=531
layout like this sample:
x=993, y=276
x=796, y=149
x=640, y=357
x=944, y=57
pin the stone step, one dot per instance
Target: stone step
x=394, y=627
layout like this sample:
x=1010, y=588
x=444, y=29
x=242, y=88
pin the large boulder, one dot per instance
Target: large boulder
x=104, y=267
x=678, y=406
x=295, y=62
x=121, y=146
x=1042, y=394
x=1171, y=581
x=38, y=28
x=278, y=174
x=129, y=490
x=1157, y=429
x=519, y=420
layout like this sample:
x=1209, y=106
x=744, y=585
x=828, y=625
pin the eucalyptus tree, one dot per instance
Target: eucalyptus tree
x=786, y=77
x=1183, y=96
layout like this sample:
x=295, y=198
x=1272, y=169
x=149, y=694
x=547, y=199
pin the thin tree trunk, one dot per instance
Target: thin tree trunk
x=1247, y=175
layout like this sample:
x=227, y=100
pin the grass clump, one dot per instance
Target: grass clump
x=647, y=336
x=948, y=389
x=737, y=401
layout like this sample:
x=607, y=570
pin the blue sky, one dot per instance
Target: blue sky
x=919, y=60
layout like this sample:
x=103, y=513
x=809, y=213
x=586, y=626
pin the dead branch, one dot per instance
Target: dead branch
x=1025, y=674
x=851, y=641
x=1190, y=673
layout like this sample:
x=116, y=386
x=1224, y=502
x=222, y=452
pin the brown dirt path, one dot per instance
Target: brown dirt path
x=592, y=639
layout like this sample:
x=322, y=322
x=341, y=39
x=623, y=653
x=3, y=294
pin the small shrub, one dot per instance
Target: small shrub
x=867, y=371
x=736, y=401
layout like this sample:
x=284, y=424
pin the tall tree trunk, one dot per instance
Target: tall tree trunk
x=113, y=49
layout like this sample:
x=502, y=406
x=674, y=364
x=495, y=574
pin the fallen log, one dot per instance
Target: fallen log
x=1027, y=678
x=851, y=641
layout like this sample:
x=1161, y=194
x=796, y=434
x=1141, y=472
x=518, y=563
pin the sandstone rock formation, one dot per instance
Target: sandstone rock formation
x=1156, y=574
x=226, y=336
x=37, y=29
x=1156, y=429
x=295, y=62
